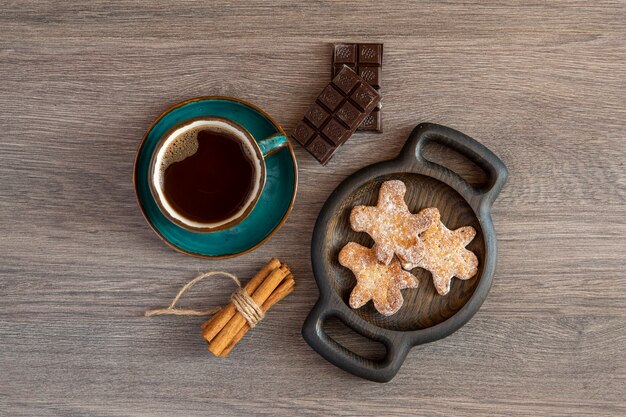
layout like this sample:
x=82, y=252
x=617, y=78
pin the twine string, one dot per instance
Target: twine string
x=243, y=303
x=246, y=306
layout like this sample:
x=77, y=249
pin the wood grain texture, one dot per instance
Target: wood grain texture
x=540, y=84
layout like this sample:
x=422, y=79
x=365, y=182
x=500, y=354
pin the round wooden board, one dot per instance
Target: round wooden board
x=425, y=315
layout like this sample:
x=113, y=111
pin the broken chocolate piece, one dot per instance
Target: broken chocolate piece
x=337, y=112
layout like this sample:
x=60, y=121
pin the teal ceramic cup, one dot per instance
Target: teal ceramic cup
x=273, y=206
x=177, y=143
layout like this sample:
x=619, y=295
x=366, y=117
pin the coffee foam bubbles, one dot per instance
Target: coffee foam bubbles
x=179, y=148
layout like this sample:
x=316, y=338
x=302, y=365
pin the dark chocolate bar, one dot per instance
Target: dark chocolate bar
x=366, y=59
x=337, y=112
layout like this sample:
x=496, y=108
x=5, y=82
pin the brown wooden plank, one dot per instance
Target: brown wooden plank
x=540, y=84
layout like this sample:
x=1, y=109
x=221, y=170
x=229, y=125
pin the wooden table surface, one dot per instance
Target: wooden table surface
x=543, y=85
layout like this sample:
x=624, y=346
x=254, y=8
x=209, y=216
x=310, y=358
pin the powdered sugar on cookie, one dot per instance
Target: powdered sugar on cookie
x=445, y=255
x=393, y=227
x=375, y=281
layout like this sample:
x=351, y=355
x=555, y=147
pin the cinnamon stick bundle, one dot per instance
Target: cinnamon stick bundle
x=268, y=286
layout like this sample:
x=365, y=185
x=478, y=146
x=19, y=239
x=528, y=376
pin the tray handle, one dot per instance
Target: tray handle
x=492, y=165
x=375, y=370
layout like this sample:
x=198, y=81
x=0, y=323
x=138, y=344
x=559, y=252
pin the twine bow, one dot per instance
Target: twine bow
x=242, y=301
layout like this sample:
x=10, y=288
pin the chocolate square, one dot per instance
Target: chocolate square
x=370, y=53
x=345, y=53
x=371, y=74
x=320, y=149
x=330, y=97
x=348, y=114
x=363, y=96
x=316, y=115
x=373, y=121
x=302, y=133
x=346, y=80
x=334, y=131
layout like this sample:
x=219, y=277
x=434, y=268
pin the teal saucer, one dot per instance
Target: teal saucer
x=272, y=208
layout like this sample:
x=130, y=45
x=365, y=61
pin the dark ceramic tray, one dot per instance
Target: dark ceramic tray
x=425, y=316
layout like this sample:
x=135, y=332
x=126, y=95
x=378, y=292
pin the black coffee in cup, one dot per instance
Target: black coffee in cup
x=212, y=184
x=208, y=174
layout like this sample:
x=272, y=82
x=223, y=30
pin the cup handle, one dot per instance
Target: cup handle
x=272, y=144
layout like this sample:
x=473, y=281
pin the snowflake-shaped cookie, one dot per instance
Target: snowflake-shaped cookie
x=375, y=281
x=445, y=255
x=392, y=226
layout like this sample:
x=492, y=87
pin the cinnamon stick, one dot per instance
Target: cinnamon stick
x=281, y=292
x=216, y=323
x=265, y=289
